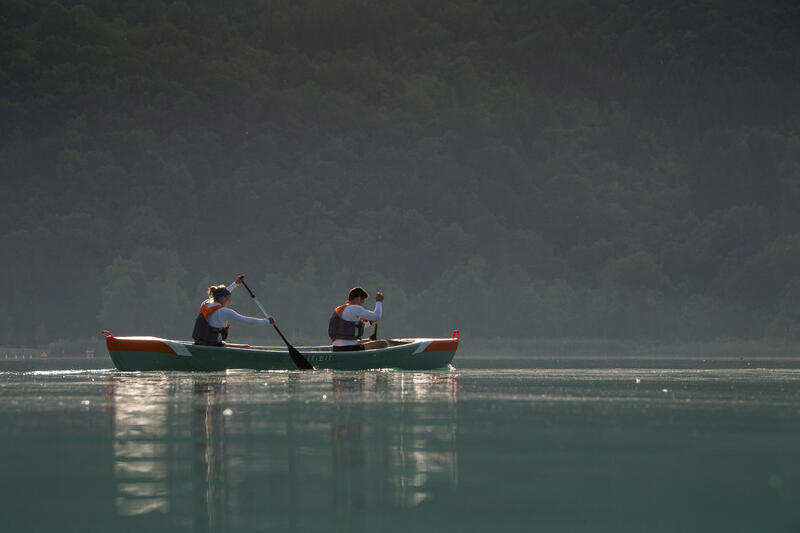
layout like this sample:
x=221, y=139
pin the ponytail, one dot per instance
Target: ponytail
x=211, y=290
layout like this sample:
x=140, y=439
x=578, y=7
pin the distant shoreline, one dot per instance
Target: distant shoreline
x=631, y=348
x=548, y=347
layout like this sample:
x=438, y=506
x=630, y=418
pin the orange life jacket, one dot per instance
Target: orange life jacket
x=209, y=307
x=203, y=332
x=339, y=328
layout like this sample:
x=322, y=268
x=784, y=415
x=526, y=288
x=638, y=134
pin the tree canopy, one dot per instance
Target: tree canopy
x=521, y=167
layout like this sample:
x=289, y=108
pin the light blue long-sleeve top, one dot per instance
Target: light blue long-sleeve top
x=220, y=317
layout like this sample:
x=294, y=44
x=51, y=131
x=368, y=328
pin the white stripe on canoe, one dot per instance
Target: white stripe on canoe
x=178, y=347
x=421, y=347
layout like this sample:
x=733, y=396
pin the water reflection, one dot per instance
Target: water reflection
x=209, y=451
x=231, y=451
x=416, y=447
x=140, y=447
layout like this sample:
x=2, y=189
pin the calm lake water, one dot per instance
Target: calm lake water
x=497, y=444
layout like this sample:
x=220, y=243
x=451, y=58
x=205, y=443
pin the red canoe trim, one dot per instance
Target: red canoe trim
x=138, y=345
x=442, y=345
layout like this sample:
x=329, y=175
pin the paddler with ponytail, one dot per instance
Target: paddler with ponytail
x=346, y=325
x=213, y=320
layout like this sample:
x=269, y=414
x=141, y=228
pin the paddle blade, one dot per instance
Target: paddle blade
x=301, y=362
x=298, y=359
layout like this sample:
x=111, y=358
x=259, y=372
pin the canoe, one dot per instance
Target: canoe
x=135, y=354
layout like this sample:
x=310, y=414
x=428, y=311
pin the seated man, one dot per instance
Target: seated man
x=346, y=326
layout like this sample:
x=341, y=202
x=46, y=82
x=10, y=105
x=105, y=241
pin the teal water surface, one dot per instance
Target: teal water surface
x=497, y=444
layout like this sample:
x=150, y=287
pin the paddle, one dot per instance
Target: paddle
x=374, y=335
x=296, y=356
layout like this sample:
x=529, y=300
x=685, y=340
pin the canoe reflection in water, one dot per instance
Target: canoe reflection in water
x=229, y=451
x=140, y=447
x=411, y=447
x=162, y=448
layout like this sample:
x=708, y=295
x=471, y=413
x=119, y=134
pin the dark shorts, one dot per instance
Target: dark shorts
x=350, y=348
x=204, y=343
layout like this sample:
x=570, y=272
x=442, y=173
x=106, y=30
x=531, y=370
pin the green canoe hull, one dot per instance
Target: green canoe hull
x=138, y=354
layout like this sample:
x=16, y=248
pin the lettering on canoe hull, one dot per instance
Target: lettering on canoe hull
x=319, y=358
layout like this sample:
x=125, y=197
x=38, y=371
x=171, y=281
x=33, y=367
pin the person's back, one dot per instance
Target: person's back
x=204, y=332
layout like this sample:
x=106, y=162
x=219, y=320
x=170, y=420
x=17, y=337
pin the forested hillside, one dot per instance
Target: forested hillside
x=601, y=168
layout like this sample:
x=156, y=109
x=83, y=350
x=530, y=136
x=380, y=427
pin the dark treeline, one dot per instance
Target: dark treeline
x=601, y=168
